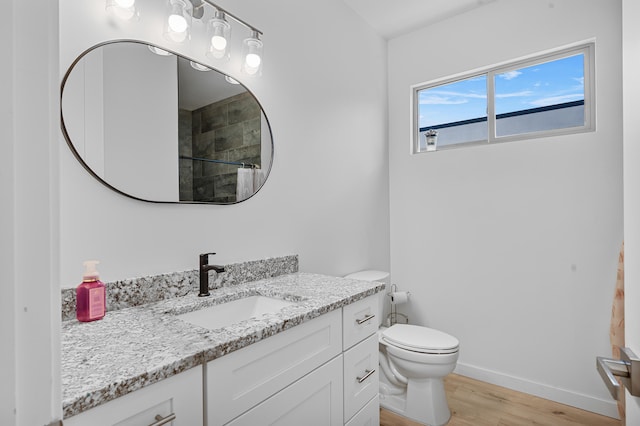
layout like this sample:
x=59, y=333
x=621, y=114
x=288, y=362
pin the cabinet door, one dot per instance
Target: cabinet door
x=179, y=396
x=368, y=416
x=242, y=379
x=314, y=400
x=360, y=375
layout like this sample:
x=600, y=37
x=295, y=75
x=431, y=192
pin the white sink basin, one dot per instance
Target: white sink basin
x=225, y=314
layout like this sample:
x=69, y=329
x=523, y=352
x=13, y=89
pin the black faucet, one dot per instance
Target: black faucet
x=204, y=273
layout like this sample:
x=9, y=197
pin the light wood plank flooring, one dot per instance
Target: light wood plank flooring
x=475, y=403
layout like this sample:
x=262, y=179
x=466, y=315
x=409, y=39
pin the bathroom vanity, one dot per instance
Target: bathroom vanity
x=313, y=360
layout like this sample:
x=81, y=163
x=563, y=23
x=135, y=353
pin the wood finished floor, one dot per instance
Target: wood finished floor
x=475, y=403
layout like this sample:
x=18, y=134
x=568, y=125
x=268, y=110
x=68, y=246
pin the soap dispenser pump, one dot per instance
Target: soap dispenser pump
x=91, y=296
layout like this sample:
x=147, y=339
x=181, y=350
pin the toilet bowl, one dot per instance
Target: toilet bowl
x=413, y=361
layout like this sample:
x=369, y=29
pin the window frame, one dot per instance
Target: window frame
x=586, y=49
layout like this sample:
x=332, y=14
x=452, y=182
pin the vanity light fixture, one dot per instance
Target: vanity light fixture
x=122, y=9
x=178, y=23
x=219, y=32
x=159, y=51
x=177, y=28
x=219, y=36
x=199, y=67
x=252, y=54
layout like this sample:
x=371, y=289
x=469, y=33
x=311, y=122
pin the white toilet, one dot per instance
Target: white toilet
x=413, y=361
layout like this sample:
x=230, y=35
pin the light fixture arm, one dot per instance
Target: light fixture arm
x=198, y=8
x=228, y=14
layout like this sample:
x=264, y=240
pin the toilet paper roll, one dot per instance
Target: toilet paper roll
x=399, y=297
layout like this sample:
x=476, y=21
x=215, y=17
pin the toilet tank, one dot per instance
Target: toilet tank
x=379, y=276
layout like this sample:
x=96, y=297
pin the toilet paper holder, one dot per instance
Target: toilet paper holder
x=395, y=317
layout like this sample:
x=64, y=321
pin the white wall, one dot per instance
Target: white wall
x=513, y=247
x=30, y=303
x=631, y=99
x=324, y=91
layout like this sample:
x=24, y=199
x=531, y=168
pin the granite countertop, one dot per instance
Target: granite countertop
x=135, y=347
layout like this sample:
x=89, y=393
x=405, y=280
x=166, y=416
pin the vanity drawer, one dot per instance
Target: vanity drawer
x=360, y=375
x=242, y=379
x=315, y=399
x=360, y=321
x=178, y=397
x=368, y=416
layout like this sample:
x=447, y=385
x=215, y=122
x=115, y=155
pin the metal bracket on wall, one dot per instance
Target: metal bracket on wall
x=627, y=368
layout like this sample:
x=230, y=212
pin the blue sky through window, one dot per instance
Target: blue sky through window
x=461, y=100
x=540, y=85
x=543, y=84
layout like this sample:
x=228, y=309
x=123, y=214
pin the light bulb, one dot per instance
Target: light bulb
x=253, y=60
x=125, y=3
x=252, y=51
x=199, y=67
x=219, y=32
x=122, y=9
x=177, y=23
x=231, y=80
x=218, y=42
x=159, y=51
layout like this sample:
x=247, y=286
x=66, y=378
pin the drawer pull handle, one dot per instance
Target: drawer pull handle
x=365, y=319
x=163, y=420
x=367, y=373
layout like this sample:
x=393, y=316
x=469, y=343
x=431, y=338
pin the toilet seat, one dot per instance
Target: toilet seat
x=420, y=339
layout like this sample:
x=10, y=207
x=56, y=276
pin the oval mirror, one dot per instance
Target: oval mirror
x=159, y=127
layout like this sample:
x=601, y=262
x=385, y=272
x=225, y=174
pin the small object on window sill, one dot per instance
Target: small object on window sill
x=431, y=136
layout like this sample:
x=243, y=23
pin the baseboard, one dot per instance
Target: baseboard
x=563, y=396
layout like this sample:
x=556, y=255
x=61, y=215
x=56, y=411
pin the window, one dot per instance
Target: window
x=547, y=95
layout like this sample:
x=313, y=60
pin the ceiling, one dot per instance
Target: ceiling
x=391, y=19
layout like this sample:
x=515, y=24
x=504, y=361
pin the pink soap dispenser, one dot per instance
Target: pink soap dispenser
x=91, y=296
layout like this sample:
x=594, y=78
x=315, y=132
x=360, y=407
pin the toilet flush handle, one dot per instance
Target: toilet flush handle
x=627, y=368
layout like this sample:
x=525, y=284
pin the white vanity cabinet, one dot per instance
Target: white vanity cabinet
x=177, y=400
x=361, y=376
x=322, y=372
x=245, y=378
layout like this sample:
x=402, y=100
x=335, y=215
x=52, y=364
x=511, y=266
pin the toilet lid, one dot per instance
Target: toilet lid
x=368, y=275
x=420, y=339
